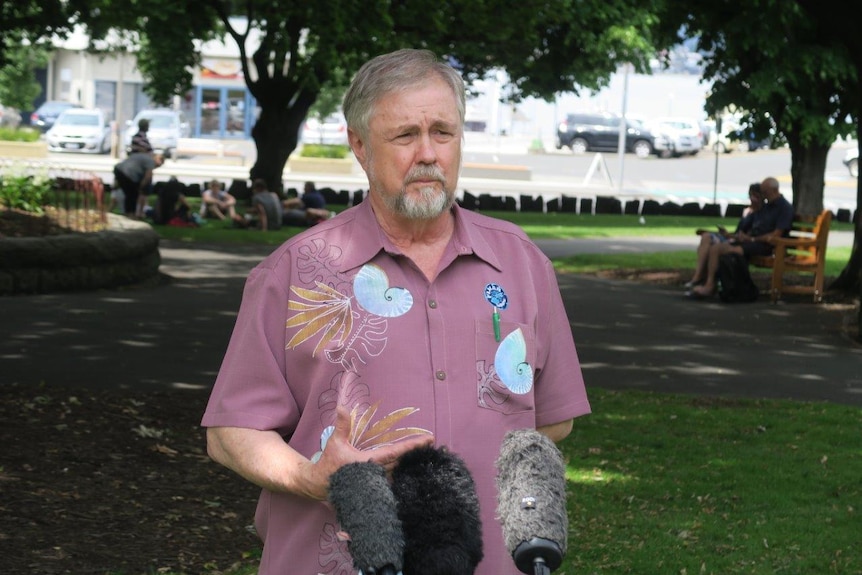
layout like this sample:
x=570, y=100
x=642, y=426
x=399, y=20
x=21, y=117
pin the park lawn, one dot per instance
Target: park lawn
x=667, y=483
x=661, y=483
x=552, y=225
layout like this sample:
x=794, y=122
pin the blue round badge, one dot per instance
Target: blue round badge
x=496, y=296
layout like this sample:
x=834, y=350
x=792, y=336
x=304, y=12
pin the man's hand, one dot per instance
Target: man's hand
x=339, y=452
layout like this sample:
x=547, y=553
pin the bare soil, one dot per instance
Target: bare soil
x=119, y=483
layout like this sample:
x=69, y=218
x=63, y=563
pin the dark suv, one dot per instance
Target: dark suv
x=45, y=116
x=600, y=132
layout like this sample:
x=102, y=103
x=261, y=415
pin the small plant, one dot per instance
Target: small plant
x=324, y=151
x=19, y=134
x=24, y=192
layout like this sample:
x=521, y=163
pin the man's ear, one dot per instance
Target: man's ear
x=357, y=144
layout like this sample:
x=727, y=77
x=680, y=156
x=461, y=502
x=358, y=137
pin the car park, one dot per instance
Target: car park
x=851, y=160
x=676, y=136
x=80, y=130
x=331, y=131
x=166, y=128
x=600, y=131
x=46, y=114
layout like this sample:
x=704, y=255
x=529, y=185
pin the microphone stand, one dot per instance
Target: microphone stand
x=538, y=556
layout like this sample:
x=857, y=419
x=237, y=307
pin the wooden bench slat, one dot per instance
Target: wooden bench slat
x=804, y=252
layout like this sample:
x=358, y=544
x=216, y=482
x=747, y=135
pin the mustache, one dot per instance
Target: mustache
x=425, y=173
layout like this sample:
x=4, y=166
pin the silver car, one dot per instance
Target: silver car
x=80, y=130
x=676, y=136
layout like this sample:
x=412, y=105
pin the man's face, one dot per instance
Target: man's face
x=769, y=193
x=412, y=154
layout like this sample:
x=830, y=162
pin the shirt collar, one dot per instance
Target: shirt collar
x=367, y=239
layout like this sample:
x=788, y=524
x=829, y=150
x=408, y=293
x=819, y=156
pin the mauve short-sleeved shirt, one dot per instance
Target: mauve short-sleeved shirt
x=337, y=316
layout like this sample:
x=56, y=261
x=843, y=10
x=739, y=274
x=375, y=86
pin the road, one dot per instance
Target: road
x=704, y=178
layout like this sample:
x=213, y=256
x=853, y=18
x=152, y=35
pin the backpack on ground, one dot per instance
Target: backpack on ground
x=734, y=280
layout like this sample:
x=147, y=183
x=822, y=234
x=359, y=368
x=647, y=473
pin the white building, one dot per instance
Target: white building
x=218, y=105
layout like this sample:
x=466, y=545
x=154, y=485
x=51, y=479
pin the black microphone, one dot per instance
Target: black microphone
x=366, y=509
x=439, y=510
x=531, y=501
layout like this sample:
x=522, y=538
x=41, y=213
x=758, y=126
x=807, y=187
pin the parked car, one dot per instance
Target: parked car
x=80, y=130
x=166, y=128
x=676, y=136
x=332, y=130
x=587, y=132
x=726, y=140
x=9, y=117
x=748, y=142
x=851, y=160
x=46, y=114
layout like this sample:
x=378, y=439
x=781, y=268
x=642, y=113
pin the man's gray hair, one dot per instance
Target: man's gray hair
x=394, y=72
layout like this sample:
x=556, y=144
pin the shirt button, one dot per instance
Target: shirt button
x=432, y=304
x=441, y=375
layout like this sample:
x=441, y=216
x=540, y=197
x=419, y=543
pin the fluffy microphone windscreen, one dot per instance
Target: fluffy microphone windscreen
x=531, y=490
x=366, y=509
x=439, y=509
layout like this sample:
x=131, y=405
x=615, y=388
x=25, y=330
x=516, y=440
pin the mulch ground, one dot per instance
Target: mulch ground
x=97, y=483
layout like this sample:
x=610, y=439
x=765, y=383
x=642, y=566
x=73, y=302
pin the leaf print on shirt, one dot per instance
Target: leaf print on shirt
x=324, y=309
x=489, y=396
x=329, y=314
x=315, y=262
x=365, y=435
x=334, y=555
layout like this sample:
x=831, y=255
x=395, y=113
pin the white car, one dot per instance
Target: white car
x=166, y=128
x=80, y=130
x=723, y=142
x=331, y=131
x=851, y=160
x=676, y=136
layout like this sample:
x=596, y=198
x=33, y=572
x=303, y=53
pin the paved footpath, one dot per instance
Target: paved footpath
x=630, y=335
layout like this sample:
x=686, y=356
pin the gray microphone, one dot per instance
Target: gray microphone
x=366, y=509
x=531, y=501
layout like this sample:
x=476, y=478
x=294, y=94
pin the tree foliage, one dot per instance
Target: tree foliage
x=294, y=52
x=781, y=65
x=18, y=85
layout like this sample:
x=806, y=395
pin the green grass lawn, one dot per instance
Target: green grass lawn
x=541, y=226
x=684, y=485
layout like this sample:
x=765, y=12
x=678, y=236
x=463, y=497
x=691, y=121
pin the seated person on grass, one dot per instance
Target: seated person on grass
x=219, y=202
x=306, y=210
x=266, y=210
x=172, y=208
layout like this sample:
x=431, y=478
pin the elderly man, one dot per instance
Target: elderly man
x=402, y=321
x=773, y=220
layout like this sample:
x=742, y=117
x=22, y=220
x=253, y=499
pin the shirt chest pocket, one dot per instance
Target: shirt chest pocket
x=505, y=360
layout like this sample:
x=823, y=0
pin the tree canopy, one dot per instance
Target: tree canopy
x=292, y=51
x=789, y=66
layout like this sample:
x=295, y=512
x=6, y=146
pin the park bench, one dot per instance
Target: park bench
x=207, y=147
x=802, y=253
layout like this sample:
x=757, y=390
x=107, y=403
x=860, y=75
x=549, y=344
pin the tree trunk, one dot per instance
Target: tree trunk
x=850, y=279
x=276, y=134
x=807, y=167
